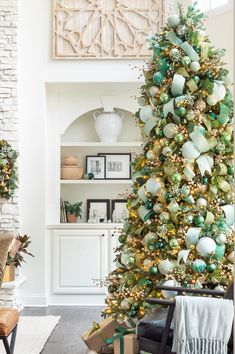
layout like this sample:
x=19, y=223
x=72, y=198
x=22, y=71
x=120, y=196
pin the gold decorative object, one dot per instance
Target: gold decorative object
x=9, y=273
x=107, y=29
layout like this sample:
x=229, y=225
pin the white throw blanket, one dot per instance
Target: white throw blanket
x=202, y=325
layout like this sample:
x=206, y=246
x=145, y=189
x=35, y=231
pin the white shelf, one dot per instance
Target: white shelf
x=96, y=181
x=99, y=144
x=87, y=225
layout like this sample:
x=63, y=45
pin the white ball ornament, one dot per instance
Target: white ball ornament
x=167, y=294
x=173, y=21
x=190, y=115
x=153, y=186
x=219, y=288
x=201, y=203
x=211, y=100
x=150, y=155
x=165, y=267
x=157, y=208
x=170, y=130
x=146, y=113
x=166, y=151
x=189, y=151
x=174, y=53
x=153, y=91
x=195, y=66
x=219, y=91
x=125, y=304
x=221, y=239
x=206, y=246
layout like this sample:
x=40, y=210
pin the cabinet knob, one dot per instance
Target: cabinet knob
x=102, y=235
x=113, y=235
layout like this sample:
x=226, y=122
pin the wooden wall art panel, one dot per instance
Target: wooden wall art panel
x=107, y=29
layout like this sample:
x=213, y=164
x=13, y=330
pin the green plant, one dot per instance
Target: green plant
x=73, y=208
x=21, y=245
x=8, y=170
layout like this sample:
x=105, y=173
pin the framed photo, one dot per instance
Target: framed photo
x=98, y=210
x=96, y=165
x=119, y=210
x=118, y=166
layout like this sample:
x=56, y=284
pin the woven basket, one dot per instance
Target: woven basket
x=71, y=172
x=70, y=161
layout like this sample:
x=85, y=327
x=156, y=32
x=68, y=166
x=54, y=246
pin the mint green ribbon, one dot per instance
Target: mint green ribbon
x=120, y=333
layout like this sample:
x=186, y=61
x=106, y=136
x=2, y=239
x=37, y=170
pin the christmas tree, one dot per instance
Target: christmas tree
x=179, y=229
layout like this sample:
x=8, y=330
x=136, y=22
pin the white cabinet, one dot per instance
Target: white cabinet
x=78, y=258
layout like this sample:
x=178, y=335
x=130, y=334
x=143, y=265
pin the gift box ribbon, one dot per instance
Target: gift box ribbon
x=120, y=333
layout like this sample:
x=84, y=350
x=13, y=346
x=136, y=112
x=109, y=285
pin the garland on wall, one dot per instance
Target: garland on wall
x=8, y=170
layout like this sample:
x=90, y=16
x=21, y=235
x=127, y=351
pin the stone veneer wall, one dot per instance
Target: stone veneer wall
x=9, y=209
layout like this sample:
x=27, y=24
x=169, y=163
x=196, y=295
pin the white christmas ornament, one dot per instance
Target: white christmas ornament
x=153, y=91
x=173, y=20
x=153, y=186
x=146, y=113
x=165, y=267
x=170, y=130
x=201, y=203
x=219, y=91
x=206, y=246
x=211, y=100
x=125, y=305
x=157, y=208
x=189, y=151
x=221, y=239
x=219, y=288
x=167, y=294
x=195, y=66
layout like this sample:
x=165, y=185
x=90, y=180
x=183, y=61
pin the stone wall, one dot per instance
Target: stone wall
x=9, y=209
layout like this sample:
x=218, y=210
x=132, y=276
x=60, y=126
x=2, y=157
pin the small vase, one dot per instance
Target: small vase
x=9, y=273
x=108, y=125
x=72, y=218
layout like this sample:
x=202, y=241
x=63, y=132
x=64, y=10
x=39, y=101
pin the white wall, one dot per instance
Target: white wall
x=36, y=68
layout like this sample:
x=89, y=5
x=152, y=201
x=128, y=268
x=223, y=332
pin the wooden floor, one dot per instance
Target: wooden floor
x=65, y=338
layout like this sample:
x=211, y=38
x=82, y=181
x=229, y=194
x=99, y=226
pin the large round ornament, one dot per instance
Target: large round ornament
x=153, y=91
x=221, y=239
x=189, y=151
x=146, y=113
x=158, y=78
x=174, y=53
x=211, y=100
x=125, y=304
x=200, y=105
x=170, y=130
x=199, y=266
x=173, y=20
x=150, y=238
x=206, y=246
x=168, y=294
x=164, y=98
x=127, y=259
x=219, y=91
x=165, y=267
x=201, y=202
x=153, y=185
x=195, y=66
x=190, y=115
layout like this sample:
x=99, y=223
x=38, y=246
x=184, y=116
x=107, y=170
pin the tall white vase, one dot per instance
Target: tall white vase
x=108, y=125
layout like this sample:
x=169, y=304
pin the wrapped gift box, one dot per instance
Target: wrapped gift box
x=94, y=338
x=129, y=322
x=131, y=345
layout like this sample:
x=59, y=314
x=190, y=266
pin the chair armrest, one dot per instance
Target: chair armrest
x=160, y=302
x=192, y=291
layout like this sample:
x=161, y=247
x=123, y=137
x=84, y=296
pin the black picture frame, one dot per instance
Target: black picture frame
x=107, y=172
x=114, y=202
x=96, y=157
x=106, y=201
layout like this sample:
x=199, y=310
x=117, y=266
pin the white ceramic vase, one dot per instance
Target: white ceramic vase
x=108, y=125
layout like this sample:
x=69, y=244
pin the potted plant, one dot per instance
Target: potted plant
x=15, y=256
x=73, y=211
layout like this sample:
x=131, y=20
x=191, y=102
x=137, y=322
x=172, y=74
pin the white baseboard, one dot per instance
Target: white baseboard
x=34, y=300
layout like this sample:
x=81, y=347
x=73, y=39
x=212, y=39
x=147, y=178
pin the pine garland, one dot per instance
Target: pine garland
x=8, y=170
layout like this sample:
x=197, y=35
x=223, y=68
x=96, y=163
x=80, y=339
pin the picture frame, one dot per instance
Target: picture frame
x=118, y=207
x=118, y=165
x=98, y=210
x=97, y=165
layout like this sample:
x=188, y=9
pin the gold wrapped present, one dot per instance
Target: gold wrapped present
x=95, y=337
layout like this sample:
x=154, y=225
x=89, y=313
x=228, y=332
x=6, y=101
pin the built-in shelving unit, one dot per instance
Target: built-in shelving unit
x=99, y=144
x=96, y=181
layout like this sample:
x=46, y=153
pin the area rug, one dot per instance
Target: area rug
x=33, y=333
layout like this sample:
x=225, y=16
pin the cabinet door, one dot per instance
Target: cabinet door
x=79, y=258
x=113, y=244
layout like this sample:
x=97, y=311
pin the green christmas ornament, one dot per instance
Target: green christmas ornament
x=112, y=289
x=131, y=261
x=199, y=266
x=160, y=245
x=173, y=243
x=133, y=313
x=188, y=219
x=198, y=220
x=122, y=238
x=164, y=98
x=164, y=216
x=85, y=176
x=153, y=271
x=126, y=227
x=179, y=138
x=148, y=204
x=209, y=74
x=174, y=53
x=211, y=267
x=226, y=137
x=185, y=61
x=162, y=158
x=176, y=178
x=91, y=175
x=185, y=190
x=219, y=252
x=230, y=170
x=196, y=79
x=168, y=196
x=158, y=78
x=181, y=111
x=204, y=180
